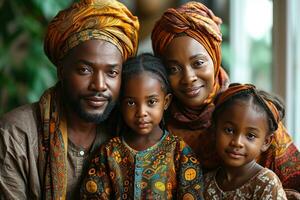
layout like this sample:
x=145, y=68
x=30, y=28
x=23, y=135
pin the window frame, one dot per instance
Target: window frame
x=286, y=62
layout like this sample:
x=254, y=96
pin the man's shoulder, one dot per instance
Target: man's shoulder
x=21, y=120
x=20, y=114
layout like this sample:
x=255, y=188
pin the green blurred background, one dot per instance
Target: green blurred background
x=25, y=71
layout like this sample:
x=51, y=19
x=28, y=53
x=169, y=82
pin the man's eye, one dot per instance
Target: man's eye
x=84, y=70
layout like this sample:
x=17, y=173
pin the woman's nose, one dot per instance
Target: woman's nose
x=189, y=75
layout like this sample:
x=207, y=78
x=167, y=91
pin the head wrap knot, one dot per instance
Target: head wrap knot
x=107, y=20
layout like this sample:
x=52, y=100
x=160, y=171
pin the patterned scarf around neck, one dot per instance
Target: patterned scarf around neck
x=53, y=146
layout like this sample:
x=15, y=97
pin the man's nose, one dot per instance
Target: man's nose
x=98, y=82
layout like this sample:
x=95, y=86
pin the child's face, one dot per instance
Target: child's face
x=144, y=103
x=241, y=133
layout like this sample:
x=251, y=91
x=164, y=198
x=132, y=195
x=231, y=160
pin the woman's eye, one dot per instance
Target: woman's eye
x=198, y=63
x=173, y=69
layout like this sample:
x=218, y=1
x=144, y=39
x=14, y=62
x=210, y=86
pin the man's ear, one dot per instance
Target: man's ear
x=168, y=99
x=267, y=142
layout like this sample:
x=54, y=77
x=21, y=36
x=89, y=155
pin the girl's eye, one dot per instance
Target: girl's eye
x=173, y=69
x=228, y=130
x=130, y=103
x=198, y=63
x=113, y=73
x=251, y=136
x=152, y=102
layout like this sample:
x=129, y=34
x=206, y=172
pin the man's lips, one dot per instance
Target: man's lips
x=192, y=91
x=96, y=101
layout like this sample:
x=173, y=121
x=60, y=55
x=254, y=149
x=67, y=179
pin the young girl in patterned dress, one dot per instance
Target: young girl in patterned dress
x=244, y=121
x=145, y=162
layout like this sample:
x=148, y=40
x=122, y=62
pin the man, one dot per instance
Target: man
x=44, y=145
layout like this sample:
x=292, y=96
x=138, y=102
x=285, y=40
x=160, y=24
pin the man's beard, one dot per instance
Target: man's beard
x=92, y=117
x=88, y=117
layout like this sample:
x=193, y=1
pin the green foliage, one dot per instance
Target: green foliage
x=25, y=71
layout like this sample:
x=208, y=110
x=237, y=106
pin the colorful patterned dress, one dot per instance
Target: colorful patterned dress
x=167, y=170
x=265, y=185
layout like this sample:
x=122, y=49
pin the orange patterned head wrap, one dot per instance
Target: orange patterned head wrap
x=197, y=21
x=107, y=20
x=236, y=89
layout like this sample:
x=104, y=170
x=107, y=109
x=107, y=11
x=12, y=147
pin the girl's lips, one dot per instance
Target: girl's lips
x=143, y=125
x=235, y=154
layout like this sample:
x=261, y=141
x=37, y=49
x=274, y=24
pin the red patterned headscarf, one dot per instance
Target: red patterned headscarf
x=197, y=21
x=236, y=89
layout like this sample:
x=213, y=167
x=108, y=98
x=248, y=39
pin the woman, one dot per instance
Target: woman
x=189, y=40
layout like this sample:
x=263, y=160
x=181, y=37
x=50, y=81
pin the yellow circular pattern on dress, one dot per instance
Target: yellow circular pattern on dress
x=188, y=196
x=190, y=174
x=160, y=186
x=91, y=186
